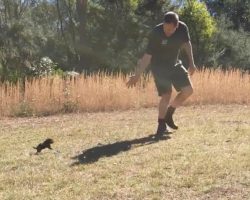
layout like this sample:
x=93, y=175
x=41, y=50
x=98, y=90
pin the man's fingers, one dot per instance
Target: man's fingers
x=132, y=81
x=130, y=84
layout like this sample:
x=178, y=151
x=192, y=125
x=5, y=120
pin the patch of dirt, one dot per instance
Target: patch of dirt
x=225, y=193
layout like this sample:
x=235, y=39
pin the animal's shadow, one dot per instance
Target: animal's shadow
x=95, y=153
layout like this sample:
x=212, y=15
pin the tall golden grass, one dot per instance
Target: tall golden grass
x=102, y=92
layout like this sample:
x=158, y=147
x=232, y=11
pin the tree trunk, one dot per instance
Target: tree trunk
x=81, y=7
x=60, y=19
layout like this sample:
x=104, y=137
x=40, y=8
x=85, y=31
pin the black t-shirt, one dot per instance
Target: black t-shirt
x=165, y=50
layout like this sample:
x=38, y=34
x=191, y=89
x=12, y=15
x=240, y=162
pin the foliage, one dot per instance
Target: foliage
x=82, y=35
x=238, y=12
x=45, y=67
x=233, y=47
x=22, y=41
x=202, y=28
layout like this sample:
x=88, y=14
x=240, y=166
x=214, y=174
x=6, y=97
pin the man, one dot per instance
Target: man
x=165, y=42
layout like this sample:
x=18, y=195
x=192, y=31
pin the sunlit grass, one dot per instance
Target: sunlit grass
x=207, y=158
x=102, y=92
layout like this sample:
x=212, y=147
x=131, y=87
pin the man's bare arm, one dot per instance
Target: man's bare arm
x=142, y=64
x=187, y=46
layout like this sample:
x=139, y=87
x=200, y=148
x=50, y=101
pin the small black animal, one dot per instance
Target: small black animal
x=44, y=145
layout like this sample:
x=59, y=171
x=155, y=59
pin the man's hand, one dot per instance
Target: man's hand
x=192, y=69
x=132, y=81
x=141, y=66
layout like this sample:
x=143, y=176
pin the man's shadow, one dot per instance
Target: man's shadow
x=93, y=154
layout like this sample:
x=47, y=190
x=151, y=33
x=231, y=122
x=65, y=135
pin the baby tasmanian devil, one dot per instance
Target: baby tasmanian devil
x=44, y=145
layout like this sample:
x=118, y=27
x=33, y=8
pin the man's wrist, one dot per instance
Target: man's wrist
x=192, y=65
x=137, y=75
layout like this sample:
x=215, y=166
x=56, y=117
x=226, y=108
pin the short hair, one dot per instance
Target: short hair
x=171, y=17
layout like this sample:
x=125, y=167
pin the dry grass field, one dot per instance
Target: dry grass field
x=104, y=147
x=111, y=155
x=102, y=92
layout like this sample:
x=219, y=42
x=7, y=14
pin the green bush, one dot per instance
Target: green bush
x=202, y=28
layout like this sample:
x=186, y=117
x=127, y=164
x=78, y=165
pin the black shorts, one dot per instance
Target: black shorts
x=176, y=76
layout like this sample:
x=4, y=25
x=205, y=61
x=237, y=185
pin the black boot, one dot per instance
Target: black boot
x=162, y=128
x=169, y=118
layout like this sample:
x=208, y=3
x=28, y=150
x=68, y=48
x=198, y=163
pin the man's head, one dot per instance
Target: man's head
x=171, y=22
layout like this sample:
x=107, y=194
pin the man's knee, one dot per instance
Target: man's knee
x=166, y=95
x=187, y=91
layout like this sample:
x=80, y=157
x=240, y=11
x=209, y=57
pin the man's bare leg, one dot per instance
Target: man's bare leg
x=163, y=104
x=178, y=100
x=182, y=96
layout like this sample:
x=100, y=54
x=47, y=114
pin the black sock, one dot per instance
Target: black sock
x=169, y=117
x=161, y=127
x=171, y=110
x=161, y=121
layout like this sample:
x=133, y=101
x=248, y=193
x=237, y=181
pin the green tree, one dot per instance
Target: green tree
x=237, y=11
x=232, y=47
x=232, y=39
x=202, y=28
